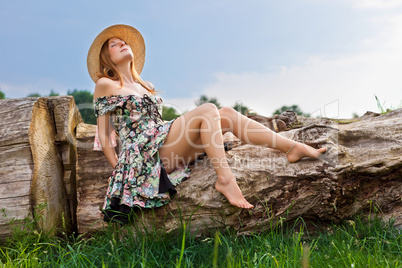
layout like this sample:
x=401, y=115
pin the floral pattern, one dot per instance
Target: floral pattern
x=142, y=131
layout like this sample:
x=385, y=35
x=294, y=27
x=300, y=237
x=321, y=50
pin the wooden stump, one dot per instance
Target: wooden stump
x=66, y=117
x=16, y=163
x=32, y=133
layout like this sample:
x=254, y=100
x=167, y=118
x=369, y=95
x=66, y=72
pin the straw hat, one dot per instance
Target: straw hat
x=129, y=34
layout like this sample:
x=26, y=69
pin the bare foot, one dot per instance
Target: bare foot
x=301, y=150
x=230, y=189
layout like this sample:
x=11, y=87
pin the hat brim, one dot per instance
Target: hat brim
x=129, y=34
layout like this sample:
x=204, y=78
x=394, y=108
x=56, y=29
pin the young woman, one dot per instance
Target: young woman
x=155, y=154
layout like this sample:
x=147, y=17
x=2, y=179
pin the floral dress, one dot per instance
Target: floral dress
x=139, y=179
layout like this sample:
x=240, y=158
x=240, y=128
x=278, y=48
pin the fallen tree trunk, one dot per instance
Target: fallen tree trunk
x=93, y=171
x=47, y=157
x=361, y=169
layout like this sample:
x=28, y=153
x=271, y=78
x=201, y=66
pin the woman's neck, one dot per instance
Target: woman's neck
x=126, y=74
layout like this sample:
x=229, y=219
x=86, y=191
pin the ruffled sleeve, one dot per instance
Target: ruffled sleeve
x=105, y=104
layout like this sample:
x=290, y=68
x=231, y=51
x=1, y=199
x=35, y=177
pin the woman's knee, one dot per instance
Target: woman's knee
x=227, y=111
x=229, y=117
x=208, y=108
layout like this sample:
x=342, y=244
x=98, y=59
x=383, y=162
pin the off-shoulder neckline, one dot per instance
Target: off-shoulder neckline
x=119, y=95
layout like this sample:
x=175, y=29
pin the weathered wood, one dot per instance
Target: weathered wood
x=16, y=163
x=47, y=185
x=361, y=169
x=32, y=131
x=66, y=117
x=93, y=171
x=47, y=156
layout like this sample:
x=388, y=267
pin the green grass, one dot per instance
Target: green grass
x=356, y=243
x=383, y=109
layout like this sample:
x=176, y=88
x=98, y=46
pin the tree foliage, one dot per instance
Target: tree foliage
x=84, y=101
x=241, y=108
x=34, y=95
x=169, y=113
x=238, y=106
x=2, y=95
x=204, y=99
x=52, y=93
x=295, y=108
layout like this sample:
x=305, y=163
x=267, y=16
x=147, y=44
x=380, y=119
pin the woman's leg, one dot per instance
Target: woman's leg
x=255, y=133
x=196, y=132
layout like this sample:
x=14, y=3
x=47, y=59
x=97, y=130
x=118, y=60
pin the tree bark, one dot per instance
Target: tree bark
x=32, y=163
x=47, y=157
x=93, y=171
x=66, y=118
x=360, y=172
x=16, y=163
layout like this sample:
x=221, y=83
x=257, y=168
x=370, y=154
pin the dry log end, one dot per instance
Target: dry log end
x=66, y=117
x=48, y=189
x=16, y=163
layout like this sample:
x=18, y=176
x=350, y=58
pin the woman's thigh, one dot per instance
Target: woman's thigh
x=183, y=142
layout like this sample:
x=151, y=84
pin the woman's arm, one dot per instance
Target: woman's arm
x=105, y=87
x=105, y=129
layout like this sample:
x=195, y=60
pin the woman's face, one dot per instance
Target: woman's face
x=119, y=51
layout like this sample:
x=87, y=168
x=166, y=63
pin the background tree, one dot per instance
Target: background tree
x=241, y=108
x=84, y=101
x=169, y=113
x=294, y=108
x=204, y=99
x=2, y=95
x=34, y=95
x=52, y=93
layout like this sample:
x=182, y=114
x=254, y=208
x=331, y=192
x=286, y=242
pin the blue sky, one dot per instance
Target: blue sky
x=328, y=56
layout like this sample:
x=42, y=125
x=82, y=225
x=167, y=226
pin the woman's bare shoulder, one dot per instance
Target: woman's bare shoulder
x=149, y=84
x=104, y=87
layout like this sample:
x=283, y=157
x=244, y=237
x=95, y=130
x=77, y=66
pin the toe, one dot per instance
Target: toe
x=246, y=204
x=322, y=150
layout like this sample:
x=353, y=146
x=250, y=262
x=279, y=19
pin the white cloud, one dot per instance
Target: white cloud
x=377, y=3
x=394, y=31
x=366, y=4
x=352, y=80
x=181, y=105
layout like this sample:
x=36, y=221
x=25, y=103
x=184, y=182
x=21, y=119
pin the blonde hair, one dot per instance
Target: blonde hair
x=108, y=69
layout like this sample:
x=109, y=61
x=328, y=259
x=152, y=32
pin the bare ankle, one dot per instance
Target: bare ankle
x=224, y=179
x=291, y=148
